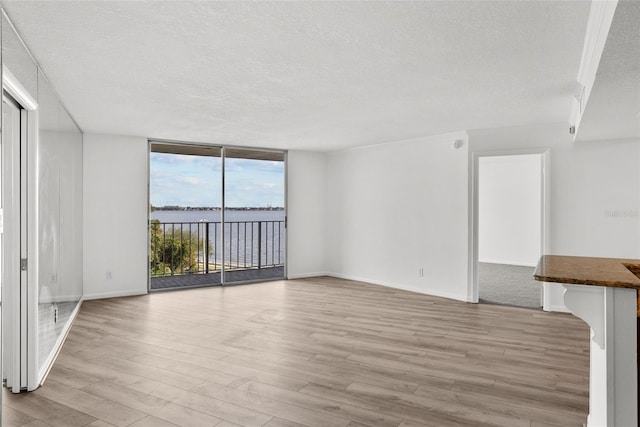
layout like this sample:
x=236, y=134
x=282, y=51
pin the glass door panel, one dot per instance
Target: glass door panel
x=185, y=217
x=254, y=215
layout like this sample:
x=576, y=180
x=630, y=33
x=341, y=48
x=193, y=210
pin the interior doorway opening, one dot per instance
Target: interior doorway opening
x=510, y=218
x=217, y=215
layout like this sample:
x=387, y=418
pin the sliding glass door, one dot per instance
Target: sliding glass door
x=254, y=215
x=216, y=215
x=185, y=218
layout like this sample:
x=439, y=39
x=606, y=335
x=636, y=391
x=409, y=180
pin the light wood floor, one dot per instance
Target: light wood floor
x=315, y=352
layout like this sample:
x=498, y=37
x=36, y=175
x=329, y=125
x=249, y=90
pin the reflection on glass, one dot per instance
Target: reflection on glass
x=59, y=219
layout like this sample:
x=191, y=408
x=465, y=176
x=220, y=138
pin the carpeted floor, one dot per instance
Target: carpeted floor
x=508, y=284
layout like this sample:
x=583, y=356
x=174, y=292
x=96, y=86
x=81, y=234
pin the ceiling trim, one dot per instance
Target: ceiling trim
x=598, y=26
x=13, y=86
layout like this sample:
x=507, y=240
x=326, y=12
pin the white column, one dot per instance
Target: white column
x=613, y=389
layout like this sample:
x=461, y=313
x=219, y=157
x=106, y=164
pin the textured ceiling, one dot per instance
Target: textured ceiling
x=613, y=109
x=306, y=75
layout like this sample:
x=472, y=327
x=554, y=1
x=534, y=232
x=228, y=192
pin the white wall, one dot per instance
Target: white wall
x=115, y=215
x=115, y=212
x=379, y=213
x=397, y=208
x=509, y=208
x=600, y=197
x=595, y=192
x=306, y=211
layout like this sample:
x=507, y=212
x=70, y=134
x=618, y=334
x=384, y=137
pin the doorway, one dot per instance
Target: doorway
x=509, y=218
x=217, y=215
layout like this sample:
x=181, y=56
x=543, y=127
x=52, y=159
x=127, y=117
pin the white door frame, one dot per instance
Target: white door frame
x=22, y=188
x=545, y=241
x=12, y=366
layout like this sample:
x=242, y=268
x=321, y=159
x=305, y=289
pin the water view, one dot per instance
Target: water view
x=255, y=214
x=186, y=242
x=191, y=246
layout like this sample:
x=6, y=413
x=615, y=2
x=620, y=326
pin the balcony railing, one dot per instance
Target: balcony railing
x=179, y=248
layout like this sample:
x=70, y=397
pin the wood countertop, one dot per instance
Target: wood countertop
x=611, y=272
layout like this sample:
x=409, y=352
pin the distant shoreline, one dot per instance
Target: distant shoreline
x=205, y=208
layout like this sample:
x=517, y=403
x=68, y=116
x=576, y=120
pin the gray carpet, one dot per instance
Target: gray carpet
x=508, y=284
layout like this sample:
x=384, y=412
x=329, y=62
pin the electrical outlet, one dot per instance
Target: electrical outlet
x=54, y=278
x=421, y=272
x=55, y=314
x=109, y=275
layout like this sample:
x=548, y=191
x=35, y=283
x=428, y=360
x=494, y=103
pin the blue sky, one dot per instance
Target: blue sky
x=196, y=181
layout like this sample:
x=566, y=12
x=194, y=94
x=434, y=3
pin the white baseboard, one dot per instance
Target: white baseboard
x=48, y=363
x=306, y=275
x=61, y=298
x=456, y=297
x=114, y=294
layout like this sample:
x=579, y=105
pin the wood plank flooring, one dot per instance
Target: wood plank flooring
x=314, y=352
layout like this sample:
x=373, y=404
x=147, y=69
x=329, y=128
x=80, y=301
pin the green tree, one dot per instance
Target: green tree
x=172, y=250
x=155, y=254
